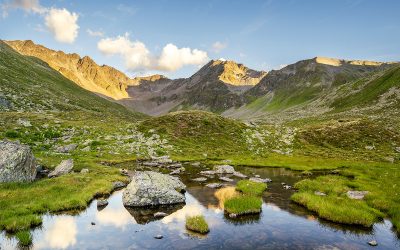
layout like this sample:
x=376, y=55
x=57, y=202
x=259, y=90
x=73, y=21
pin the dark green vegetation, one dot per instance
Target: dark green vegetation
x=251, y=187
x=24, y=238
x=197, y=224
x=243, y=204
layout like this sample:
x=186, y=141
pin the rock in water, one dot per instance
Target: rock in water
x=149, y=188
x=224, y=169
x=118, y=185
x=63, y=168
x=373, y=243
x=17, y=163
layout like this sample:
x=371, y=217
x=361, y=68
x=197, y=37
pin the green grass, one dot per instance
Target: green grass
x=21, y=204
x=243, y=204
x=197, y=224
x=24, y=238
x=335, y=206
x=251, y=187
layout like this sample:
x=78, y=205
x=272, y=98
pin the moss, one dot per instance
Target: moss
x=243, y=204
x=251, y=187
x=197, y=224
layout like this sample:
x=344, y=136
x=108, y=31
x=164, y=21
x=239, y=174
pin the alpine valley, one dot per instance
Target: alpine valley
x=322, y=133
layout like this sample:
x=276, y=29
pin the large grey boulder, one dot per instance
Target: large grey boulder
x=149, y=188
x=17, y=163
x=64, y=167
x=224, y=169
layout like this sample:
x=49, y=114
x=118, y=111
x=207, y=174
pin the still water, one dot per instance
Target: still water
x=281, y=225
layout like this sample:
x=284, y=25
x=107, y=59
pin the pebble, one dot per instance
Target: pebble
x=287, y=187
x=93, y=223
x=373, y=243
x=102, y=203
x=214, y=185
x=225, y=179
x=158, y=237
x=200, y=179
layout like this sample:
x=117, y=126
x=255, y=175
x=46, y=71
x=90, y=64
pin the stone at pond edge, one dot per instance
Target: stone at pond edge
x=149, y=188
x=102, y=203
x=118, y=185
x=200, y=179
x=224, y=169
x=240, y=175
x=356, y=195
x=17, y=163
x=257, y=179
x=63, y=168
x=214, y=185
x=226, y=179
x=373, y=243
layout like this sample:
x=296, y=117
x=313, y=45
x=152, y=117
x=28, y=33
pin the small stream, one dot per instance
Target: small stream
x=281, y=225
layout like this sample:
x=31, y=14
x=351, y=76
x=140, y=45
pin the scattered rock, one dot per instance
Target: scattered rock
x=150, y=164
x=200, y=179
x=232, y=215
x=225, y=179
x=319, y=193
x=175, y=165
x=84, y=171
x=176, y=171
x=240, y=175
x=224, y=169
x=63, y=168
x=118, y=185
x=67, y=148
x=160, y=214
x=389, y=159
x=257, y=179
x=158, y=237
x=102, y=203
x=195, y=164
x=24, y=123
x=287, y=187
x=17, y=163
x=257, y=176
x=124, y=171
x=357, y=195
x=93, y=223
x=214, y=185
x=397, y=149
x=149, y=188
x=373, y=243
x=369, y=147
x=85, y=149
x=208, y=172
x=161, y=159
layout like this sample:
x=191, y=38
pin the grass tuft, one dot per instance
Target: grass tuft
x=243, y=204
x=251, y=187
x=24, y=238
x=197, y=224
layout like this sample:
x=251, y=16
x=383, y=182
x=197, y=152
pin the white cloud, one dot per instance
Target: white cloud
x=219, y=46
x=95, y=33
x=137, y=57
x=173, y=58
x=63, y=24
x=27, y=5
x=60, y=234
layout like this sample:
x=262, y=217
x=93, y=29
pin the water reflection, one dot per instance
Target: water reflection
x=60, y=234
x=281, y=225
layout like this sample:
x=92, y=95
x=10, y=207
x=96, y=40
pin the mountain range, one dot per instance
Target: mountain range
x=310, y=87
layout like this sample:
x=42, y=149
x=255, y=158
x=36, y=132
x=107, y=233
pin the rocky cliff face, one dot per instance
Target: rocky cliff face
x=103, y=80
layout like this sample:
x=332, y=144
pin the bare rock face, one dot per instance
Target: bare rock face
x=149, y=188
x=17, y=163
x=64, y=167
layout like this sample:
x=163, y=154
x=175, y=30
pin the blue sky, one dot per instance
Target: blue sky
x=260, y=34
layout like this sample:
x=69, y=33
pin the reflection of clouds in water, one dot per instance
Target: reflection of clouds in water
x=60, y=234
x=118, y=217
x=273, y=207
x=180, y=215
